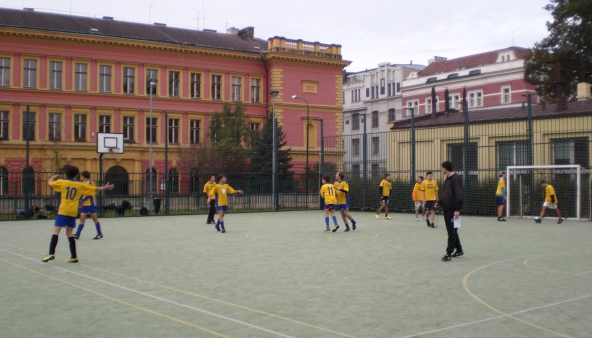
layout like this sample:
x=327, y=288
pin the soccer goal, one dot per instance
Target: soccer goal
x=525, y=195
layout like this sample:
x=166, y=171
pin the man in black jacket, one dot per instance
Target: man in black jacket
x=451, y=202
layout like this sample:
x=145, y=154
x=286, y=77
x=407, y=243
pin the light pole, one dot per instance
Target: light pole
x=412, y=109
x=306, y=170
x=152, y=83
x=274, y=93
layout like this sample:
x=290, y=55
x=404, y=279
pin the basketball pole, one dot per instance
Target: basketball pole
x=101, y=207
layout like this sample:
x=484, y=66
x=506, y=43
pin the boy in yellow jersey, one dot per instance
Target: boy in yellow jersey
x=71, y=192
x=206, y=190
x=88, y=208
x=220, y=192
x=329, y=194
x=500, y=197
x=342, y=189
x=385, y=192
x=550, y=202
x=416, y=197
x=429, y=196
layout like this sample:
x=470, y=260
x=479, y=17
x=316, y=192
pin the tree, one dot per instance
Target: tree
x=568, y=46
x=262, y=156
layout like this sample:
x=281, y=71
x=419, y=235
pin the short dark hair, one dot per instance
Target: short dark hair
x=447, y=165
x=429, y=173
x=72, y=171
x=387, y=175
x=341, y=174
x=326, y=178
x=543, y=181
x=502, y=174
x=420, y=177
x=221, y=176
x=85, y=174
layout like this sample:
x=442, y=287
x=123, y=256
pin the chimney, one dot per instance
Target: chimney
x=464, y=98
x=108, y=18
x=583, y=86
x=434, y=102
x=247, y=32
x=560, y=81
x=446, y=102
x=232, y=31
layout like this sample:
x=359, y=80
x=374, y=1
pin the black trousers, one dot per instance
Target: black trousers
x=453, y=240
x=212, y=211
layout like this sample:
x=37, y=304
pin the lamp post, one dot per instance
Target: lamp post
x=274, y=93
x=412, y=143
x=306, y=170
x=152, y=83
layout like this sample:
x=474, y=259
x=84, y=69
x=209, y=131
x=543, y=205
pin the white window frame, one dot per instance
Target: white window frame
x=174, y=80
x=173, y=131
x=506, y=97
x=4, y=124
x=413, y=104
x=216, y=86
x=104, y=123
x=195, y=85
x=80, y=121
x=55, y=75
x=475, y=98
x=105, y=72
x=29, y=73
x=128, y=127
x=235, y=82
x=454, y=100
x=4, y=72
x=255, y=90
x=54, y=127
x=194, y=127
x=80, y=76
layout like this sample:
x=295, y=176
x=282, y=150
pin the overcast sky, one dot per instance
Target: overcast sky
x=369, y=31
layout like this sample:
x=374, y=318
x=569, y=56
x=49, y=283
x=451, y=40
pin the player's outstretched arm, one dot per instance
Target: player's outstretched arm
x=240, y=192
x=107, y=186
x=51, y=179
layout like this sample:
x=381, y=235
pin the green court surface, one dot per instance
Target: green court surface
x=280, y=275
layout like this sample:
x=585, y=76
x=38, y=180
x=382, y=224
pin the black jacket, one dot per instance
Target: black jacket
x=452, y=195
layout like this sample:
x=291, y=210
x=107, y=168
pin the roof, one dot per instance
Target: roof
x=470, y=61
x=30, y=19
x=505, y=114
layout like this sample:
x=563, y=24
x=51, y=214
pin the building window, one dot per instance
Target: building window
x=382, y=85
x=128, y=128
x=236, y=88
x=80, y=76
x=375, y=170
x=173, y=181
x=194, y=131
x=151, y=130
x=255, y=90
x=174, y=84
x=372, y=91
x=79, y=127
x=216, y=86
x=174, y=131
x=475, y=99
x=105, y=79
x=389, y=90
x=429, y=106
x=374, y=119
x=151, y=74
x=571, y=151
x=55, y=75
x=255, y=126
x=104, y=124
x=391, y=115
x=375, y=145
x=195, y=85
x=367, y=92
x=356, y=147
x=194, y=186
x=356, y=170
x=29, y=73
x=29, y=126
x=3, y=181
x=454, y=100
x=55, y=126
x=4, y=125
x=506, y=96
x=356, y=122
x=414, y=105
x=128, y=80
x=398, y=87
x=456, y=154
x=513, y=153
x=4, y=72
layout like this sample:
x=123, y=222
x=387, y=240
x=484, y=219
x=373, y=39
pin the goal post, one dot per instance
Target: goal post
x=525, y=195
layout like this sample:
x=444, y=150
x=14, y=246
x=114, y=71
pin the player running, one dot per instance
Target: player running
x=342, y=189
x=550, y=202
x=385, y=192
x=88, y=208
x=328, y=193
x=429, y=196
x=221, y=192
x=416, y=197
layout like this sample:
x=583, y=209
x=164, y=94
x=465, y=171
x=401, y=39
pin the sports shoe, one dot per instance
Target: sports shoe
x=48, y=258
x=353, y=226
x=537, y=220
x=560, y=221
x=335, y=227
x=98, y=237
x=387, y=217
x=217, y=227
x=416, y=219
x=458, y=253
x=223, y=230
x=346, y=229
x=432, y=226
x=73, y=260
x=377, y=217
x=501, y=219
x=328, y=230
x=428, y=222
x=75, y=236
x=446, y=258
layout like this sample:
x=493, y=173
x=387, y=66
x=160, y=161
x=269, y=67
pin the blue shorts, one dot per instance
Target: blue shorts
x=89, y=209
x=342, y=207
x=499, y=200
x=222, y=207
x=329, y=206
x=65, y=221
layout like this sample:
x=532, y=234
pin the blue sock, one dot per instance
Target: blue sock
x=79, y=229
x=222, y=224
x=327, y=221
x=218, y=223
x=334, y=220
x=98, y=227
x=347, y=225
x=353, y=222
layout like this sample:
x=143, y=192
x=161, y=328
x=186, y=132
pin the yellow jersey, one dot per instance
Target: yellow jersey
x=221, y=192
x=208, y=187
x=416, y=196
x=501, y=184
x=71, y=192
x=386, y=187
x=430, y=189
x=328, y=193
x=88, y=200
x=342, y=192
x=550, y=191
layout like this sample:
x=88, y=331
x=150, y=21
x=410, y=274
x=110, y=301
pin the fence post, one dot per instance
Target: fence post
x=101, y=194
x=413, y=146
x=321, y=161
x=26, y=185
x=167, y=183
x=530, y=137
x=465, y=159
x=364, y=165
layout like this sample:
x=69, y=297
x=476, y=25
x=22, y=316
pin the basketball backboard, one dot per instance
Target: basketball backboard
x=110, y=143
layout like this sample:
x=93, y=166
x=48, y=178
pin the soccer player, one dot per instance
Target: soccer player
x=451, y=202
x=342, y=189
x=221, y=192
x=88, y=208
x=416, y=197
x=429, y=196
x=500, y=197
x=550, y=202
x=328, y=193
x=206, y=190
x=71, y=192
x=385, y=193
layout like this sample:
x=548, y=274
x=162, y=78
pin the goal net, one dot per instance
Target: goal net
x=525, y=195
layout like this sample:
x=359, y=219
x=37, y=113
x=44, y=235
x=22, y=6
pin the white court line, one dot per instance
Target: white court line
x=155, y=297
x=497, y=317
